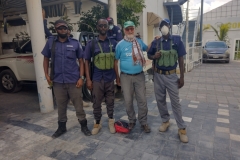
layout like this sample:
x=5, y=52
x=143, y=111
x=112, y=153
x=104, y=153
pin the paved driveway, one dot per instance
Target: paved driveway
x=210, y=103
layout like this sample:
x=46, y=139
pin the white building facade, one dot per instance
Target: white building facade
x=227, y=13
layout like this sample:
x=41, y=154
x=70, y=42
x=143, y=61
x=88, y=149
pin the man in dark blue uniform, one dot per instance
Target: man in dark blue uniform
x=104, y=74
x=114, y=31
x=67, y=79
x=166, y=52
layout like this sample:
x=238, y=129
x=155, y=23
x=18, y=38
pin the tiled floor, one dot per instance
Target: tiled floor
x=210, y=104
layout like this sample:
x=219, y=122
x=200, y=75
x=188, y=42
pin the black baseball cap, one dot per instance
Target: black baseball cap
x=60, y=22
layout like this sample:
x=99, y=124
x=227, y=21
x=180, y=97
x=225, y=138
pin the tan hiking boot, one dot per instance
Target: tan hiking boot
x=111, y=125
x=96, y=128
x=164, y=126
x=183, y=135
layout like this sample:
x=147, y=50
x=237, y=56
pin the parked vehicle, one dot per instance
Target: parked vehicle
x=17, y=67
x=216, y=51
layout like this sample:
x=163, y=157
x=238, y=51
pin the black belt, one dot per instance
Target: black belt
x=159, y=71
x=132, y=74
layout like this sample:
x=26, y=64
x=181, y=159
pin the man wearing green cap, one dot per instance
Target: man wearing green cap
x=130, y=53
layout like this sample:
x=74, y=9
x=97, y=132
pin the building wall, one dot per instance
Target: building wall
x=227, y=13
x=156, y=7
x=230, y=9
x=233, y=34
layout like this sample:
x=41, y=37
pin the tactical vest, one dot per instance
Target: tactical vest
x=168, y=57
x=104, y=60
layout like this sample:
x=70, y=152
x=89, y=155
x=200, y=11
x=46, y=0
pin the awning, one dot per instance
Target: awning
x=153, y=18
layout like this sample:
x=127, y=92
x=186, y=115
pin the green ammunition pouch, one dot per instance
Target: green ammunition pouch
x=104, y=61
x=168, y=57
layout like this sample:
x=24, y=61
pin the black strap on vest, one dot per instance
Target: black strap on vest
x=53, y=50
x=92, y=58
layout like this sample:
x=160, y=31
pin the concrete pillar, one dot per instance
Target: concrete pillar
x=112, y=7
x=34, y=12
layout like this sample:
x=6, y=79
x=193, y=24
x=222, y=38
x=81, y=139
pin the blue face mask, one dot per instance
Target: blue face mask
x=111, y=27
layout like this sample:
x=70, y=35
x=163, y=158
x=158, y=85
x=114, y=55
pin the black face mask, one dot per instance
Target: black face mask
x=62, y=35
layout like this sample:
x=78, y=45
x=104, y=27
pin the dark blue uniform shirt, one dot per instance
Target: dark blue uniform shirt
x=46, y=30
x=177, y=44
x=109, y=74
x=66, y=68
x=115, y=33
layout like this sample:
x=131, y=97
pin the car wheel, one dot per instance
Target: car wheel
x=227, y=61
x=9, y=83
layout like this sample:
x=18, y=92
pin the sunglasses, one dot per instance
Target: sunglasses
x=102, y=25
x=62, y=28
x=129, y=29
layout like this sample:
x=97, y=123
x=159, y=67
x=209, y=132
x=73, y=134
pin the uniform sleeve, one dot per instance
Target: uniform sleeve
x=119, y=36
x=143, y=45
x=87, y=52
x=152, y=49
x=46, y=50
x=46, y=30
x=181, y=49
x=79, y=51
x=118, y=51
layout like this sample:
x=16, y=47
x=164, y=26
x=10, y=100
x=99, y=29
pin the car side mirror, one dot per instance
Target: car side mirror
x=228, y=47
x=18, y=50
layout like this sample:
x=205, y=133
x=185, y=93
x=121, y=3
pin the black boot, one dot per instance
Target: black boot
x=84, y=127
x=61, y=129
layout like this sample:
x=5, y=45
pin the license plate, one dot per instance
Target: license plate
x=215, y=56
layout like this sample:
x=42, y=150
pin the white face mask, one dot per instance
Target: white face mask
x=111, y=27
x=165, y=30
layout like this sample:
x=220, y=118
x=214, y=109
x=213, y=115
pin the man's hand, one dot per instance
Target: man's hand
x=180, y=82
x=79, y=83
x=157, y=37
x=118, y=82
x=89, y=85
x=48, y=80
x=157, y=55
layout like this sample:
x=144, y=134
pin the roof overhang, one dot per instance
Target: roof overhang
x=102, y=2
x=16, y=7
x=153, y=19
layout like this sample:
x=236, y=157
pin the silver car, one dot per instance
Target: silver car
x=216, y=51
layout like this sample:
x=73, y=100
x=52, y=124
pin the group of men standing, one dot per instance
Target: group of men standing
x=104, y=52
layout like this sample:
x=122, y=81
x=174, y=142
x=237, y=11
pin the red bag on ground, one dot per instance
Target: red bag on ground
x=121, y=127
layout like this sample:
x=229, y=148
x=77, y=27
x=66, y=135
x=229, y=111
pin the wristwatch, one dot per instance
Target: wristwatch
x=82, y=77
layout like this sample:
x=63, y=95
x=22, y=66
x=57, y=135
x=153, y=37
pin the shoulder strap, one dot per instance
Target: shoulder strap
x=100, y=47
x=52, y=59
x=110, y=44
x=92, y=58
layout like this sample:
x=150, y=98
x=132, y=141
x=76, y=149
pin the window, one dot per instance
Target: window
x=216, y=45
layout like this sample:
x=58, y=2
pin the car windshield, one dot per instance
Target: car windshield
x=216, y=45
